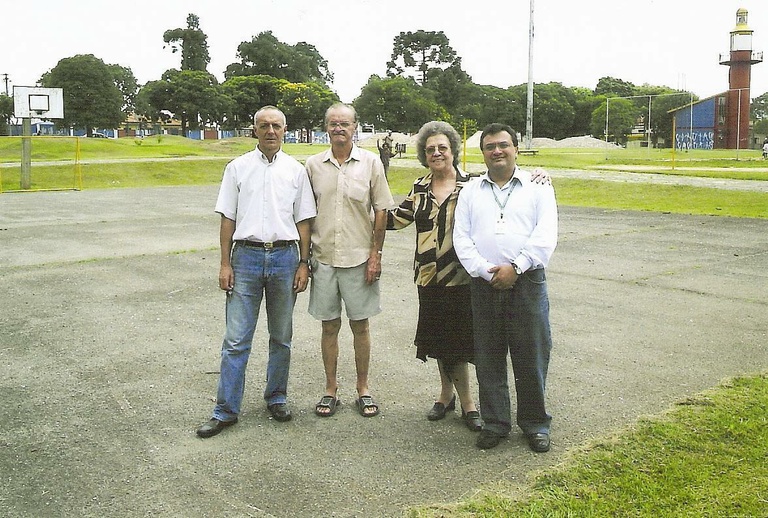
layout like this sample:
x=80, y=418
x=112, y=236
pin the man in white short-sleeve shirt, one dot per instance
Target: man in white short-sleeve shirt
x=266, y=207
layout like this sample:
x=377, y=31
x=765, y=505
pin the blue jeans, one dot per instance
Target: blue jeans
x=259, y=273
x=514, y=322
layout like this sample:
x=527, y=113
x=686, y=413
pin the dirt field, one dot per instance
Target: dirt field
x=111, y=324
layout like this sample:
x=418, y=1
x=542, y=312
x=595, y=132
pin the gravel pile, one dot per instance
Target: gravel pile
x=584, y=141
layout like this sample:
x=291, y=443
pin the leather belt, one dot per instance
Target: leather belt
x=261, y=244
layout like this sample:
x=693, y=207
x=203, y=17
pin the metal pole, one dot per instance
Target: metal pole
x=674, y=139
x=464, y=148
x=529, y=110
x=738, y=125
x=690, y=140
x=648, y=125
x=26, y=153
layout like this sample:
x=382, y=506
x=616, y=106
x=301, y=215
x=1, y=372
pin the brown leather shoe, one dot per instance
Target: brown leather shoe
x=214, y=427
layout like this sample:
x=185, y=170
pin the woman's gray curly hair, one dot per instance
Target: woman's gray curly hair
x=431, y=129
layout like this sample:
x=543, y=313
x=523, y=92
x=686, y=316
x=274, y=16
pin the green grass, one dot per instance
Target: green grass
x=674, y=199
x=746, y=165
x=706, y=457
x=65, y=148
x=633, y=196
x=214, y=155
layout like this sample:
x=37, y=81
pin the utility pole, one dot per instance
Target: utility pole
x=529, y=110
x=5, y=78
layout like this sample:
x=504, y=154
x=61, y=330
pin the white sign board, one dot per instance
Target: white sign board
x=38, y=102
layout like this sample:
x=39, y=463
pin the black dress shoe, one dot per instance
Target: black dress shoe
x=539, y=442
x=488, y=439
x=279, y=412
x=214, y=427
x=472, y=420
x=439, y=409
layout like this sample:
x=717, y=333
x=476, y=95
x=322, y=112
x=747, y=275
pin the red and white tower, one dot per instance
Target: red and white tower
x=740, y=61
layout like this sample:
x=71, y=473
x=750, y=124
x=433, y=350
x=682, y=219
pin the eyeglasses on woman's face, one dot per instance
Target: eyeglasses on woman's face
x=442, y=149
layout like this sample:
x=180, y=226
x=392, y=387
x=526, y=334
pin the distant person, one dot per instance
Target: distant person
x=765, y=148
x=505, y=233
x=386, y=152
x=266, y=206
x=348, y=233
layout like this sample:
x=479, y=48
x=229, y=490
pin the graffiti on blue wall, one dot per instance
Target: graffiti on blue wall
x=701, y=140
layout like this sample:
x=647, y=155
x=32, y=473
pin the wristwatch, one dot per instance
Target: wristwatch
x=517, y=269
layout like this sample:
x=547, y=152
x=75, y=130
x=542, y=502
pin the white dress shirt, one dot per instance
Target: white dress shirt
x=266, y=199
x=516, y=223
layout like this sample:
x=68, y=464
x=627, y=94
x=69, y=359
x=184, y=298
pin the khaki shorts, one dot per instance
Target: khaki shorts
x=331, y=285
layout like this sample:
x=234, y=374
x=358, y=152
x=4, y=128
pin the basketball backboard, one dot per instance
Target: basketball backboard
x=38, y=102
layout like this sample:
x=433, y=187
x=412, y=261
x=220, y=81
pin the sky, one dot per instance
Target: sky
x=674, y=43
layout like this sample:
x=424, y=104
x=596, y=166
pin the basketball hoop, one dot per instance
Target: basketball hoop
x=38, y=102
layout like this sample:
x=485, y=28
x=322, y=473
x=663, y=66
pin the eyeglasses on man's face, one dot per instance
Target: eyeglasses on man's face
x=340, y=124
x=492, y=146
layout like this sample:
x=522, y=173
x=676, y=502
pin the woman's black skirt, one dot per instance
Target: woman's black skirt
x=444, y=330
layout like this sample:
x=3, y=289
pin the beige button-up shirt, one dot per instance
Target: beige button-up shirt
x=347, y=195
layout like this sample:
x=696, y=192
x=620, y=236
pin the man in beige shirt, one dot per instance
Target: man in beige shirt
x=352, y=198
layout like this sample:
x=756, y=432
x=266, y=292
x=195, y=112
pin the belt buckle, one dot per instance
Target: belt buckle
x=269, y=246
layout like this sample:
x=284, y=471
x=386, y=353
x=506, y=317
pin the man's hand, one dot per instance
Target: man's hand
x=226, y=278
x=504, y=277
x=301, y=278
x=373, y=271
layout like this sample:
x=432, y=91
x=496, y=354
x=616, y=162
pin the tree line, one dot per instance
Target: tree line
x=424, y=81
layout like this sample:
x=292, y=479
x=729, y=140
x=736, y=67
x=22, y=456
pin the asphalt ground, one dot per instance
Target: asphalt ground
x=111, y=324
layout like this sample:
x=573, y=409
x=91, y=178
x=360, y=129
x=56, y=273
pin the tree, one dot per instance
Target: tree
x=146, y=100
x=502, y=105
x=759, y=113
x=266, y=55
x=6, y=112
x=452, y=86
x=192, y=96
x=192, y=42
x=304, y=104
x=248, y=94
x=397, y=103
x=552, y=112
x=128, y=86
x=418, y=52
x=612, y=87
x=92, y=98
x=584, y=102
x=621, y=114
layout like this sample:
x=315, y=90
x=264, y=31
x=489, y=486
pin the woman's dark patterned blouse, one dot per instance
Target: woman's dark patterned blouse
x=435, y=261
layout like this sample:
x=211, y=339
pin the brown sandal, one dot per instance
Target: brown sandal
x=329, y=402
x=365, y=404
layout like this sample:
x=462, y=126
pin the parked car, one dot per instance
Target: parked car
x=98, y=135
